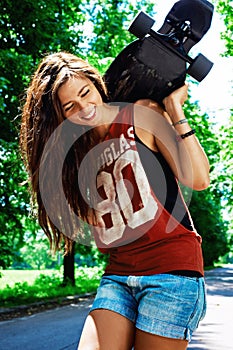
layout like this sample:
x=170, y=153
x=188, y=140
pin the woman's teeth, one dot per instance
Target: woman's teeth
x=89, y=115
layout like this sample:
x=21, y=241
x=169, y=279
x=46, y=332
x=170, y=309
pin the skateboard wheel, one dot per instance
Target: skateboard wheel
x=200, y=67
x=141, y=25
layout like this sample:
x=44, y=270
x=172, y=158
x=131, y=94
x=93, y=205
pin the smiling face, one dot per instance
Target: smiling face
x=79, y=99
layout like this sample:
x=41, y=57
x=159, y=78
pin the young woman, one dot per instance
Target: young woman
x=115, y=168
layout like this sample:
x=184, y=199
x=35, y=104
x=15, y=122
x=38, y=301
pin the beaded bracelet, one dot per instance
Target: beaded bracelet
x=182, y=121
x=187, y=134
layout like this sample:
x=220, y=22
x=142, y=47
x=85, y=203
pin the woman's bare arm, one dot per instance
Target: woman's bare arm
x=185, y=156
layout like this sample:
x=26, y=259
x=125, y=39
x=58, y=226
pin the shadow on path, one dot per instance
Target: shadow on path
x=220, y=282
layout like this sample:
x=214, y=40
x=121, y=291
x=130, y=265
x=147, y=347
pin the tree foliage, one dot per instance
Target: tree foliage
x=206, y=206
x=35, y=254
x=225, y=8
x=97, y=31
x=14, y=204
x=28, y=29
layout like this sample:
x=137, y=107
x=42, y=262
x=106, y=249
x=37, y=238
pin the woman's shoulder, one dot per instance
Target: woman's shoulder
x=149, y=118
x=154, y=107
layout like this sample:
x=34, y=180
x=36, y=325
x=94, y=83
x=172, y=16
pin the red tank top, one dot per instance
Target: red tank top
x=134, y=225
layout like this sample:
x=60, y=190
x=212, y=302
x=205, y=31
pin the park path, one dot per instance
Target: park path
x=60, y=328
x=215, y=332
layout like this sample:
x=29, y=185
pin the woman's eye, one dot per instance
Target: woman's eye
x=85, y=92
x=69, y=107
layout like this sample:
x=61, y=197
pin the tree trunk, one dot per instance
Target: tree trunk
x=68, y=264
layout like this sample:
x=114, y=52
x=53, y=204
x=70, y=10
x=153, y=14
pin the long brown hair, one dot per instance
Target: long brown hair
x=41, y=118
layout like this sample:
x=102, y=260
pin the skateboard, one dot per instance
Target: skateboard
x=157, y=62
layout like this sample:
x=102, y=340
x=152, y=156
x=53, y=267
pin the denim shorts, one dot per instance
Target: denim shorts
x=167, y=305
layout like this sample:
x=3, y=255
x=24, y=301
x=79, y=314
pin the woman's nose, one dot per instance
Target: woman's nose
x=82, y=104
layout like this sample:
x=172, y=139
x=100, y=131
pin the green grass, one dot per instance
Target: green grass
x=10, y=277
x=22, y=287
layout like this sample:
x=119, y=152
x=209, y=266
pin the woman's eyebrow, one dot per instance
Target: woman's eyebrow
x=79, y=93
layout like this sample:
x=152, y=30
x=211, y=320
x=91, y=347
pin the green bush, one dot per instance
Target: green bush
x=47, y=287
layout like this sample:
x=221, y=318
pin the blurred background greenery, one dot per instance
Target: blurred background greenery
x=96, y=30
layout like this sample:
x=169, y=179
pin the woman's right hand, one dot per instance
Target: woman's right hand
x=173, y=103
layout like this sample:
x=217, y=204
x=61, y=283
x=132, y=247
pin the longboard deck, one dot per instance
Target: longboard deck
x=148, y=67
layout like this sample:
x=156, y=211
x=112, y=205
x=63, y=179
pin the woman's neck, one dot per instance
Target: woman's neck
x=109, y=114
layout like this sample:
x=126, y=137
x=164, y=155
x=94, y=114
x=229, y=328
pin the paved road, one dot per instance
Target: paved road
x=215, y=332
x=56, y=329
x=59, y=329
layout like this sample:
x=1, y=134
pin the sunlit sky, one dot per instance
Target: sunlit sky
x=214, y=93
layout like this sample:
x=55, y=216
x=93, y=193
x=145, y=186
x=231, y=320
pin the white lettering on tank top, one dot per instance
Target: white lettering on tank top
x=112, y=152
x=119, y=193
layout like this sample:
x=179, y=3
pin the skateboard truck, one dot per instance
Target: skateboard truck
x=177, y=37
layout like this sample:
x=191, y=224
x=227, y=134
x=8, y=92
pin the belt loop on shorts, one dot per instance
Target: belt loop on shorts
x=133, y=281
